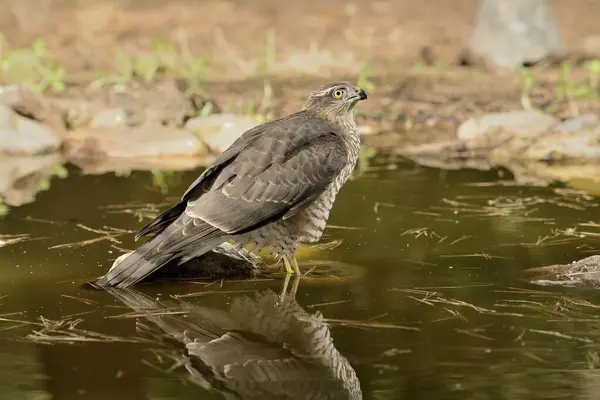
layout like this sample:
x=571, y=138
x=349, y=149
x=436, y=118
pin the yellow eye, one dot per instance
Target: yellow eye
x=337, y=93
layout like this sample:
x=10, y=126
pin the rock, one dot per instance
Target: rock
x=511, y=33
x=583, y=122
x=99, y=166
x=137, y=142
x=576, y=139
x=161, y=104
x=24, y=101
x=537, y=148
x=30, y=104
x=21, y=178
x=584, y=272
x=577, y=145
x=22, y=136
x=77, y=112
x=219, y=131
x=109, y=118
x=522, y=123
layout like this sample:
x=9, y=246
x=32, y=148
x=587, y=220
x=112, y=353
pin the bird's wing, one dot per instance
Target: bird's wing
x=281, y=173
x=241, y=143
x=204, y=181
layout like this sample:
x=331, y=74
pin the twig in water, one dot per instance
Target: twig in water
x=561, y=335
x=366, y=324
x=482, y=255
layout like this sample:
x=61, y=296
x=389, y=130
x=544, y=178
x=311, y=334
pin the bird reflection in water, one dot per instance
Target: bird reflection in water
x=264, y=347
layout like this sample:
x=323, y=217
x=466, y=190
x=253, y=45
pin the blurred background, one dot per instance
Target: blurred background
x=187, y=77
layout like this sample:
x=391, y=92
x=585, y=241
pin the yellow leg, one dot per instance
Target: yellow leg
x=291, y=265
x=287, y=265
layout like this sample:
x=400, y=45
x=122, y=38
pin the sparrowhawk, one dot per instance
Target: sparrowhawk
x=272, y=188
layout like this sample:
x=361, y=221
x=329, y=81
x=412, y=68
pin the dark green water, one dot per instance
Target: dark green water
x=418, y=260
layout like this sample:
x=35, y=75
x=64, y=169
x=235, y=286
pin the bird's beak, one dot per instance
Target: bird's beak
x=360, y=94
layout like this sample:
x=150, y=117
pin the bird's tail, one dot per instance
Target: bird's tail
x=132, y=267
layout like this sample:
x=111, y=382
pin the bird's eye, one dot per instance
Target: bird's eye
x=338, y=93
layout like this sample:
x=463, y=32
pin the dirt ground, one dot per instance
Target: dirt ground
x=412, y=48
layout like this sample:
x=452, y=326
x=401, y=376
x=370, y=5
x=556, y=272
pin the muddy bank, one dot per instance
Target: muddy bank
x=536, y=148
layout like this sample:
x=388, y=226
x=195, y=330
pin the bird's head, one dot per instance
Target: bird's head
x=335, y=99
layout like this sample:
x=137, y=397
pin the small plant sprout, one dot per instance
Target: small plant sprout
x=570, y=90
x=267, y=64
x=263, y=111
x=31, y=67
x=527, y=77
x=364, y=80
x=165, y=58
x=593, y=68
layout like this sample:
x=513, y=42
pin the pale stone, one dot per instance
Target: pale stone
x=219, y=131
x=522, y=123
x=22, y=136
x=137, y=142
x=109, y=118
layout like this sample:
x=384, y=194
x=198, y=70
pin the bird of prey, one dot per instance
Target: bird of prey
x=273, y=188
x=261, y=348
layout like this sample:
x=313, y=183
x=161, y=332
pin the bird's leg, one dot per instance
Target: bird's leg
x=287, y=265
x=295, y=266
x=291, y=264
x=291, y=267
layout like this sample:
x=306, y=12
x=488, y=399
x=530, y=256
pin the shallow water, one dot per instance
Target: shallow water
x=418, y=251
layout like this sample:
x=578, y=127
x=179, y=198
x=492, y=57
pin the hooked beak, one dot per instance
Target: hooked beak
x=360, y=94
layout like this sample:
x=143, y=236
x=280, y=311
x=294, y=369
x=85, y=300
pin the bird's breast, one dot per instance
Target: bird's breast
x=317, y=214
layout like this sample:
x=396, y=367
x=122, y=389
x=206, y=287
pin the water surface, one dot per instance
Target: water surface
x=439, y=252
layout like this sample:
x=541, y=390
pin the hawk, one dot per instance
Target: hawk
x=272, y=188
